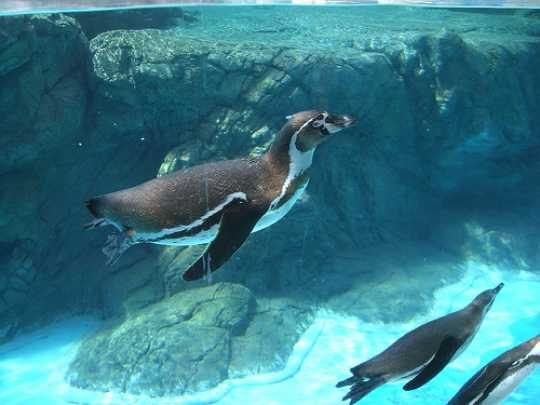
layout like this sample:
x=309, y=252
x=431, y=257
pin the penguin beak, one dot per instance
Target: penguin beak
x=498, y=288
x=336, y=123
x=344, y=121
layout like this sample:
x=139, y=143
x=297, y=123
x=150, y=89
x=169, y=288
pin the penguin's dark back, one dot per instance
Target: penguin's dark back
x=184, y=196
x=418, y=346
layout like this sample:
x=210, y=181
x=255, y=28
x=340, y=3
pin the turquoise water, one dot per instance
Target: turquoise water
x=48, y=6
x=32, y=367
x=431, y=197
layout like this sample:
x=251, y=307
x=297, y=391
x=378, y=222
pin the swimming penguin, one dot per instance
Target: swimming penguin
x=423, y=352
x=495, y=381
x=219, y=203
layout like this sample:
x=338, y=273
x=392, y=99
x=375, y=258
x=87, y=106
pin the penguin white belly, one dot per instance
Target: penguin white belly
x=509, y=384
x=274, y=215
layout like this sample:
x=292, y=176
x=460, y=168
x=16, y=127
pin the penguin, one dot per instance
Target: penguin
x=218, y=203
x=496, y=380
x=423, y=352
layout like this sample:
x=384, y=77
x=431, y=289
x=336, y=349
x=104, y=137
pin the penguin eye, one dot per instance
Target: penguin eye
x=319, y=121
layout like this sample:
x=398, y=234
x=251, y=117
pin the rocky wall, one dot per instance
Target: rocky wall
x=444, y=159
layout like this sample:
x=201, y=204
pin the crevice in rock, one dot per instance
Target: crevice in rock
x=129, y=375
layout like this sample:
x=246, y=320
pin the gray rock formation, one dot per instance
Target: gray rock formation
x=189, y=342
x=447, y=137
x=43, y=99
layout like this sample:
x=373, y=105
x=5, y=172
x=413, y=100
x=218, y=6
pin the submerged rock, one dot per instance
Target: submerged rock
x=189, y=342
x=43, y=99
x=42, y=90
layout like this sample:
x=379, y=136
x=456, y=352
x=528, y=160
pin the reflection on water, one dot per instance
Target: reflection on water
x=27, y=6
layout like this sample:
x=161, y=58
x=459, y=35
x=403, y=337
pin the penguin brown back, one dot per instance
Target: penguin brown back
x=219, y=203
x=422, y=353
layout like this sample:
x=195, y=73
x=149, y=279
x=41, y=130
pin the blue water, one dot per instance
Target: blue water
x=33, y=364
x=32, y=367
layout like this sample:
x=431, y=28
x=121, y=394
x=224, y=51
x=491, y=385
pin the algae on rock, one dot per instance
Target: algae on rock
x=189, y=342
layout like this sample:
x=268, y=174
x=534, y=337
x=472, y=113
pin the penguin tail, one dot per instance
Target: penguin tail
x=93, y=206
x=360, y=387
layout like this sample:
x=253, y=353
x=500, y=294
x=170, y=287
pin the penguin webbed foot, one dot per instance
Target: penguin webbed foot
x=347, y=381
x=361, y=387
x=96, y=223
x=115, y=246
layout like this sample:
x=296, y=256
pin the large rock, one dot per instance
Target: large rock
x=42, y=90
x=189, y=342
x=43, y=102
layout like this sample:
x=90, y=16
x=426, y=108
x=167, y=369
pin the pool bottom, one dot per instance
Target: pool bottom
x=32, y=366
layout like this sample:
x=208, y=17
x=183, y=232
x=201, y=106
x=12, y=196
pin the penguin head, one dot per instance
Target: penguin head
x=313, y=127
x=484, y=300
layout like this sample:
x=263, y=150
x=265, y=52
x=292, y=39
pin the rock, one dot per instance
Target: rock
x=41, y=80
x=16, y=44
x=187, y=342
x=16, y=274
x=94, y=23
x=269, y=338
x=401, y=288
x=174, y=261
x=14, y=297
x=177, y=345
x=131, y=286
x=43, y=60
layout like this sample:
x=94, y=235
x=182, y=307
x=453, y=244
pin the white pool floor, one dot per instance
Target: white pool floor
x=32, y=366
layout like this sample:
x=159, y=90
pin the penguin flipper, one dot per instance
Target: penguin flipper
x=448, y=348
x=237, y=221
x=116, y=245
x=96, y=223
x=347, y=381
